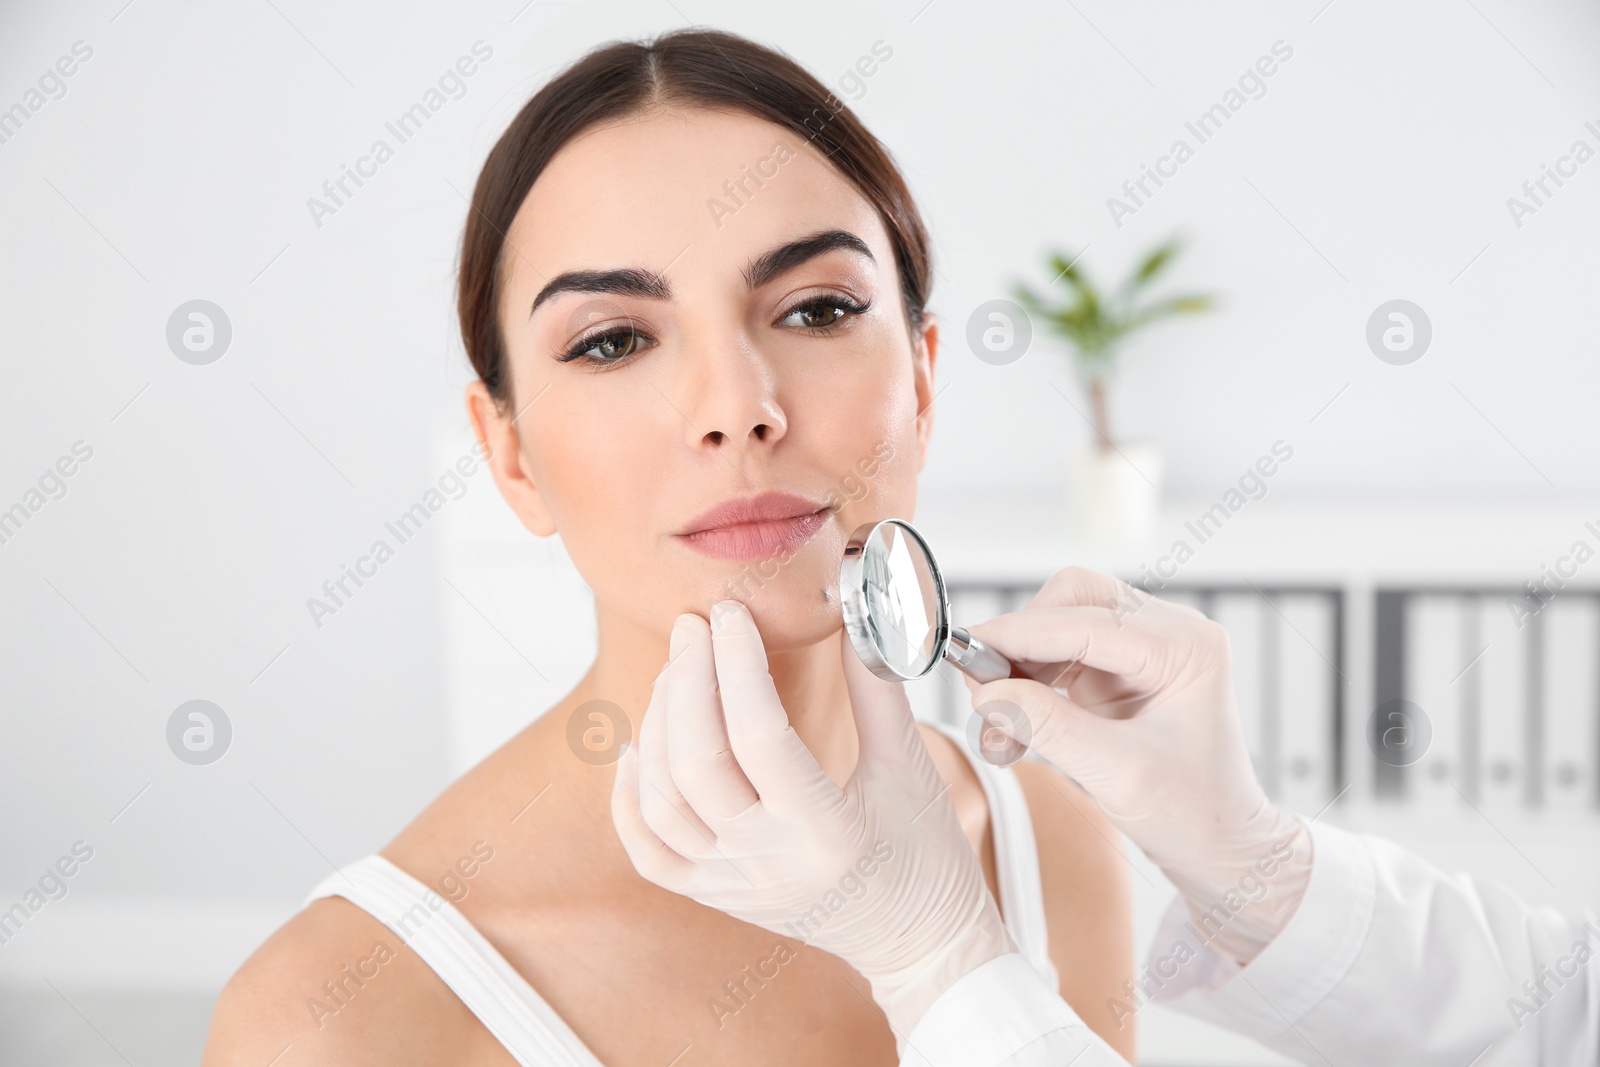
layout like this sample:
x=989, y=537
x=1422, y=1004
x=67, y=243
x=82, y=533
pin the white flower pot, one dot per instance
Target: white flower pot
x=1114, y=497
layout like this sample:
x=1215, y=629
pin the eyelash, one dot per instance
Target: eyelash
x=580, y=348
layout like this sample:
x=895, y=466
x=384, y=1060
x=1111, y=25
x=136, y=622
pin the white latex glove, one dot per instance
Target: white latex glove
x=1150, y=728
x=721, y=801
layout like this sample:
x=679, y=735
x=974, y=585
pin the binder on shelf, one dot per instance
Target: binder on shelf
x=1434, y=674
x=1501, y=679
x=1308, y=650
x=1388, y=683
x=1468, y=687
x=1570, y=704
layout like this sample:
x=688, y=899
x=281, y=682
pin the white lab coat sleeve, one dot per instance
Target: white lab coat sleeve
x=1004, y=1014
x=1390, y=960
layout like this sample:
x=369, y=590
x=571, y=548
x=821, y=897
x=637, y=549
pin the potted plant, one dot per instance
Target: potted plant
x=1115, y=485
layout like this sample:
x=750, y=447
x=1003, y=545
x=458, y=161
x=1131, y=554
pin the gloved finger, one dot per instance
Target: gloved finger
x=701, y=759
x=650, y=856
x=1079, y=586
x=1060, y=731
x=777, y=763
x=668, y=813
x=1055, y=675
x=891, y=746
x=1062, y=636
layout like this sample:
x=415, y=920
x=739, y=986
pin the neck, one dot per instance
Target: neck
x=809, y=680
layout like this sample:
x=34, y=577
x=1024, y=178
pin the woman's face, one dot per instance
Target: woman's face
x=698, y=308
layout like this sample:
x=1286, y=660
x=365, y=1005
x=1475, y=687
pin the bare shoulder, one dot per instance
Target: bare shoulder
x=951, y=765
x=966, y=792
x=1070, y=827
x=333, y=985
x=1087, y=898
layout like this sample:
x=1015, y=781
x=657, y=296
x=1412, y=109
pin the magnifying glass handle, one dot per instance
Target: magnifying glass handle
x=976, y=659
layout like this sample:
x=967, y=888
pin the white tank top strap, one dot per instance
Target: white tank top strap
x=1016, y=857
x=463, y=958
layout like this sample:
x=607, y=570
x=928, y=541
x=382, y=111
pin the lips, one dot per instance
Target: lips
x=755, y=527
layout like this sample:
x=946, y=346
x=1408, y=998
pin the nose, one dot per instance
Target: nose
x=730, y=400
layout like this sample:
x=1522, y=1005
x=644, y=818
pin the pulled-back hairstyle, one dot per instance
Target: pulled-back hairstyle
x=704, y=68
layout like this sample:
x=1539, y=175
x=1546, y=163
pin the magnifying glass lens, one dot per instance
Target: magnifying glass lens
x=902, y=601
x=896, y=611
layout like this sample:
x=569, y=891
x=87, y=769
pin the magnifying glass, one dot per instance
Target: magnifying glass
x=897, y=613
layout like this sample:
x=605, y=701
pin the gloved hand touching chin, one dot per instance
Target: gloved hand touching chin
x=721, y=801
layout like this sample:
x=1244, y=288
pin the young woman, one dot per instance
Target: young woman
x=694, y=289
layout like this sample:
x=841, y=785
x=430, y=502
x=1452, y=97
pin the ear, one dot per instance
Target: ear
x=925, y=354
x=499, y=439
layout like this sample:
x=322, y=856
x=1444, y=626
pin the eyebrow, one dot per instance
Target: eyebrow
x=632, y=281
x=768, y=266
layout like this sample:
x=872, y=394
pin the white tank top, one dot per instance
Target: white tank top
x=529, y=1028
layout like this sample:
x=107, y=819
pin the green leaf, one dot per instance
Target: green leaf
x=1094, y=326
x=1177, y=305
x=1062, y=267
x=1155, y=262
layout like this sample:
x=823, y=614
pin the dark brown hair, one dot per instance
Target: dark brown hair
x=704, y=68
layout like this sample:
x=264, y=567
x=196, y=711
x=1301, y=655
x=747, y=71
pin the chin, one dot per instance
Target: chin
x=797, y=605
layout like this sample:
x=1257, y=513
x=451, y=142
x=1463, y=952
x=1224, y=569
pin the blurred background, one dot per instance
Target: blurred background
x=1375, y=444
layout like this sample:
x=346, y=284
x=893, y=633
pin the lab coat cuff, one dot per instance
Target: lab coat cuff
x=1298, y=968
x=988, y=1016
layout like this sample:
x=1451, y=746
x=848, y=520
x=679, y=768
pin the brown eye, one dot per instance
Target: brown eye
x=822, y=313
x=613, y=346
x=616, y=345
x=819, y=314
